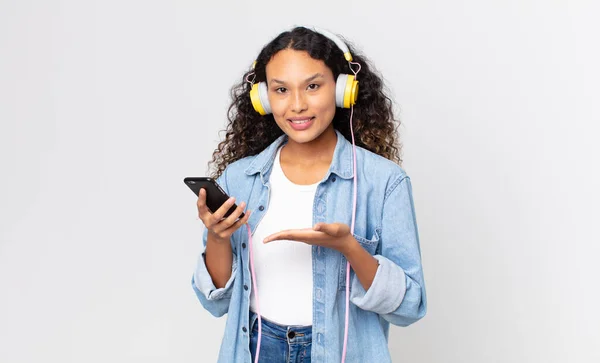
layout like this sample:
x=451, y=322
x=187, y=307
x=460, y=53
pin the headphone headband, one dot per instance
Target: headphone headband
x=336, y=40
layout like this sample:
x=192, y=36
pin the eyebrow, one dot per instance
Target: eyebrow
x=311, y=78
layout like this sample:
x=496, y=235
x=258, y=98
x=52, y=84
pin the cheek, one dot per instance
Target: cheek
x=278, y=106
x=325, y=105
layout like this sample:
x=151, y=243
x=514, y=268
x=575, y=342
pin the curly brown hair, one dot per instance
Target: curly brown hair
x=248, y=133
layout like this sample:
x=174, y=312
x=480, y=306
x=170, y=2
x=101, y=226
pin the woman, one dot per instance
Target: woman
x=316, y=206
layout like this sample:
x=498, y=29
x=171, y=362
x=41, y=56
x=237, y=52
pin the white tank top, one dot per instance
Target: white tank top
x=284, y=268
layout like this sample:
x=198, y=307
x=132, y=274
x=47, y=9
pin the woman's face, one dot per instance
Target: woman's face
x=301, y=93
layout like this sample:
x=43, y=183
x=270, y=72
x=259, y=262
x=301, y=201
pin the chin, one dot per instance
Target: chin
x=306, y=140
x=302, y=137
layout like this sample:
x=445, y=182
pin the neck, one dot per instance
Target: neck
x=319, y=150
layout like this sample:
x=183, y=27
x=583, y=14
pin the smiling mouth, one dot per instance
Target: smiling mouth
x=302, y=121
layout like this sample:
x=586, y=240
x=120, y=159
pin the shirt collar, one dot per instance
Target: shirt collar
x=341, y=164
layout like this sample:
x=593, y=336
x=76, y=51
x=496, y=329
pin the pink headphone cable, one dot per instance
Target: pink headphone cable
x=255, y=294
x=352, y=225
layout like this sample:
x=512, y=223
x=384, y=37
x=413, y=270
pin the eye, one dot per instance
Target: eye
x=280, y=90
x=313, y=86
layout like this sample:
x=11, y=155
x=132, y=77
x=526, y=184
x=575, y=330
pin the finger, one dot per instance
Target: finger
x=278, y=236
x=238, y=224
x=325, y=228
x=332, y=229
x=272, y=237
x=231, y=220
x=203, y=211
x=300, y=235
x=219, y=213
x=342, y=229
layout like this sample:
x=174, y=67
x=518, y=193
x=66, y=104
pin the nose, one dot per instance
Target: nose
x=298, y=102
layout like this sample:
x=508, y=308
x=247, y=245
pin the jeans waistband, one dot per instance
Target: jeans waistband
x=292, y=333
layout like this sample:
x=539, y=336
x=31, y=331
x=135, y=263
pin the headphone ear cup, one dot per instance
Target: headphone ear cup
x=346, y=91
x=260, y=99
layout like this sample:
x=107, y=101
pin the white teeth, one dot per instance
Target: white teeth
x=301, y=121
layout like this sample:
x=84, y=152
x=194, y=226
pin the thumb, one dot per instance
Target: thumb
x=326, y=228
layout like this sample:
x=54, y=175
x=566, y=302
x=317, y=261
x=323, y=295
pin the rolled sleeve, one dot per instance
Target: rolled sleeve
x=203, y=281
x=215, y=300
x=380, y=298
x=398, y=289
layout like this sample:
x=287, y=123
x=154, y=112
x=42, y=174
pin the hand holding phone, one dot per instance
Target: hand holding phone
x=216, y=209
x=215, y=195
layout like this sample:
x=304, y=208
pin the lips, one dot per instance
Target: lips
x=301, y=123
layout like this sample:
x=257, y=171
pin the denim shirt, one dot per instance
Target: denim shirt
x=385, y=226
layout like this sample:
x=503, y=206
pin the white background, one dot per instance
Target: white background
x=105, y=106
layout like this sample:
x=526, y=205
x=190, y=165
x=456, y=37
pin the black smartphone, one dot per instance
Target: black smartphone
x=215, y=195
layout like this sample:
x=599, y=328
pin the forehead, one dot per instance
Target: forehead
x=290, y=63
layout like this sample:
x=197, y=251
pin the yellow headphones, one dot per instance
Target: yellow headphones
x=346, y=86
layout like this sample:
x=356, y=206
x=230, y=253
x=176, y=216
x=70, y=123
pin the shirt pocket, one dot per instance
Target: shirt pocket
x=370, y=245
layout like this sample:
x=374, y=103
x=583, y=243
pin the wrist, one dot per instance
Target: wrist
x=215, y=240
x=349, y=246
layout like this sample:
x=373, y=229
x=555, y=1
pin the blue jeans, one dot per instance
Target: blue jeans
x=279, y=343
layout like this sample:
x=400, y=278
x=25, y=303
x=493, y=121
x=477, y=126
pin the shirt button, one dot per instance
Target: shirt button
x=246, y=287
x=261, y=208
x=244, y=329
x=243, y=245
